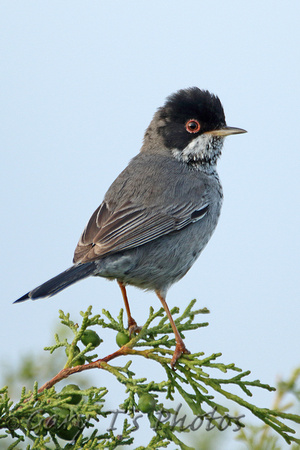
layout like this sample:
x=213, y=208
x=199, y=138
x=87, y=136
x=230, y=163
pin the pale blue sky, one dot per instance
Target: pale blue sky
x=80, y=82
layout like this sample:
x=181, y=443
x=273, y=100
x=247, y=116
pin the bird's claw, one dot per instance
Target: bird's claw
x=133, y=328
x=179, y=350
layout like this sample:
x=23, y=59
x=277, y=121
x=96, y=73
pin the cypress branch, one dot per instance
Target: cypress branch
x=46, y=415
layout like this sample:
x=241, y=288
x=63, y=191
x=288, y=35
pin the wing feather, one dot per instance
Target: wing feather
x=129, y=226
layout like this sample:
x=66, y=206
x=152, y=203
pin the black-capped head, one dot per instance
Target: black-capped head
x=191, y=125
x=189, y=113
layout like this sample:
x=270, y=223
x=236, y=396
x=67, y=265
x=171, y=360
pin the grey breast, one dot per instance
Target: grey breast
x=167, y=188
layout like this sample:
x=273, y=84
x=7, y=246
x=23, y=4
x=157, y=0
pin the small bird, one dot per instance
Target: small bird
x=161, y=211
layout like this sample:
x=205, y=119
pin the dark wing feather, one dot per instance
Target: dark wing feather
x=130, y=226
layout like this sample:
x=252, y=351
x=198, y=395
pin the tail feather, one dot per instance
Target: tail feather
x=60, y=282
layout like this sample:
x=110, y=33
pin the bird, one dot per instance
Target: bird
x=161, y=211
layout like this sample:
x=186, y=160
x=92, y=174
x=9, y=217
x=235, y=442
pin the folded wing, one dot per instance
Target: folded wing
x=130, y=225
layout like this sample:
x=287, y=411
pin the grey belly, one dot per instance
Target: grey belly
x=162, y=262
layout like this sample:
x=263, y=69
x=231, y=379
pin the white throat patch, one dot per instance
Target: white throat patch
x=203, y=150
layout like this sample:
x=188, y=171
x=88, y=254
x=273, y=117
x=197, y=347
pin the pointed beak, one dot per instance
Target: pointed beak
x=226, y=131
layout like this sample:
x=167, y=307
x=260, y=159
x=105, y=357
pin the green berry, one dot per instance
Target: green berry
x=91, y=337
x=69, y=391
x=122, y=339
x=79, y=361
x=146, y=403
x=66, y=425
x=67, y=434
x=76, y=351
x=60, y=413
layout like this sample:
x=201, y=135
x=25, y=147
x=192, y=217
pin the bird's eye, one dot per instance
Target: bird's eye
x=192, y=126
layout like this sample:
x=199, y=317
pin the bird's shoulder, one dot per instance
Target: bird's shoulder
x=152, y=179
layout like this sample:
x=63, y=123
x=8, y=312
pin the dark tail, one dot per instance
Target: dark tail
x=60, y=282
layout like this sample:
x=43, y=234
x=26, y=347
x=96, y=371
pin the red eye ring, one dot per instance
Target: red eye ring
x=192, y=126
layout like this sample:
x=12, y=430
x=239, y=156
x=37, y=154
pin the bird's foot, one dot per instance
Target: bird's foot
x=133, y=328
x=179, y=350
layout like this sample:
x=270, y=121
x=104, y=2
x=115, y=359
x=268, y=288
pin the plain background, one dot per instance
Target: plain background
x=80, y=82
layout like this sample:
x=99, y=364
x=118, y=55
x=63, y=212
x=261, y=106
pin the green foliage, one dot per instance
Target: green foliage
x=48, y=418
x=259, y=437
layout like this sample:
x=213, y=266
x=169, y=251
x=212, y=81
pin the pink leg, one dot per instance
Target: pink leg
x=132, y=326
x=180, y=347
